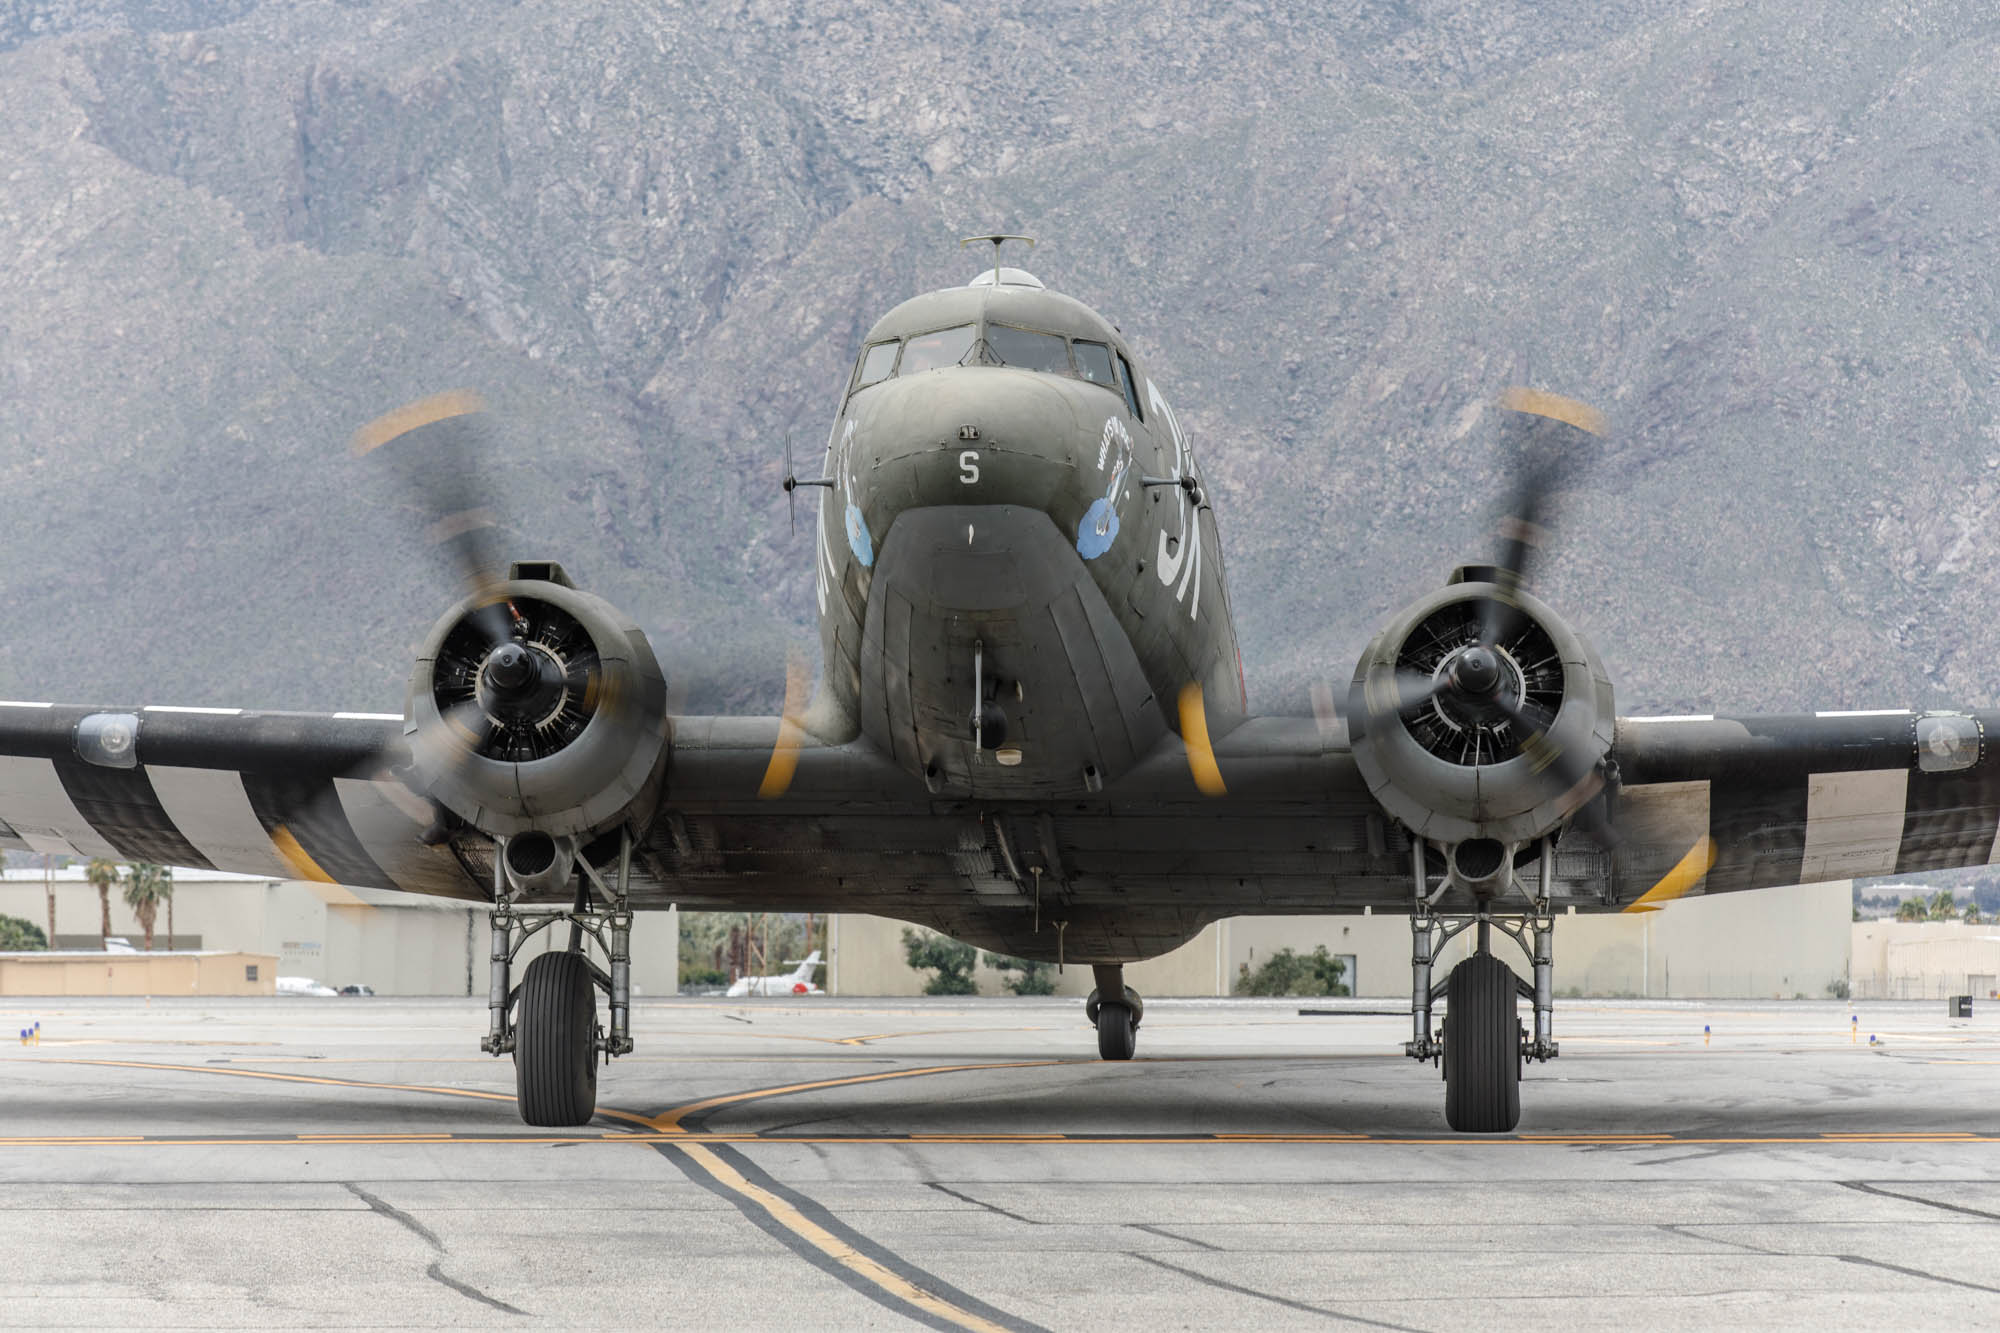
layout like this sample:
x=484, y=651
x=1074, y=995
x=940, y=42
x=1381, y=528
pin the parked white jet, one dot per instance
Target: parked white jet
x=797, y=982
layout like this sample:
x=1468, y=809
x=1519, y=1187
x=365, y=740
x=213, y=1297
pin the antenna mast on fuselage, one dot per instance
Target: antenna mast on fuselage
x=996, y=240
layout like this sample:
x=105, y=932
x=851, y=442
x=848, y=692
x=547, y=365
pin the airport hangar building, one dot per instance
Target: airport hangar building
x=1778, y=943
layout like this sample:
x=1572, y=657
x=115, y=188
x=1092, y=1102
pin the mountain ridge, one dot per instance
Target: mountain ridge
x=1759, y=237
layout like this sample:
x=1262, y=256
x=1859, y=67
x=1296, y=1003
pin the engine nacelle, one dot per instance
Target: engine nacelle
x=537, y=707
x=1448, y=758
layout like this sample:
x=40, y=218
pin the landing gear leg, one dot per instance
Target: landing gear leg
x=549, y=1022
x=1482, y=1046
x=1116, y=1017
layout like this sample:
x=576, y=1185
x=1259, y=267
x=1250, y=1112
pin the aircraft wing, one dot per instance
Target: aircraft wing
x=1718, y=804
x=290, y=795
x=1699, y=805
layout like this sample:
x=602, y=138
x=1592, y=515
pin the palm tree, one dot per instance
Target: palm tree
x=146, y=887
x=1944, y=907
x=167, y=892
x=103, y=874
x=1912, y=909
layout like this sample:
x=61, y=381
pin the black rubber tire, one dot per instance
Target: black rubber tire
x=1482, y=1048
x=555, y=1055
x=1117, y=1032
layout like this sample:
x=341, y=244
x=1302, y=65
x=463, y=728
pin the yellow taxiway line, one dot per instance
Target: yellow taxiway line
x=839, y=1251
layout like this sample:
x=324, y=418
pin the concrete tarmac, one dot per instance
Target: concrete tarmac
x=846, y=1163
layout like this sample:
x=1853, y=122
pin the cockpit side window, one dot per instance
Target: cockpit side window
x=1093, y=362
x=876, y=364
x=1126, y=382
x=1027, y=349
x=928, y=351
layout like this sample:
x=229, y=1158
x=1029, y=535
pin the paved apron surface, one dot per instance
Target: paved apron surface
x=969, y=1165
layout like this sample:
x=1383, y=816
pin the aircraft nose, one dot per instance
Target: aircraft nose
x=969, y=436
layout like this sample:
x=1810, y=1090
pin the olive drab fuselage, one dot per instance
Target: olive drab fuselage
x=1016, y=517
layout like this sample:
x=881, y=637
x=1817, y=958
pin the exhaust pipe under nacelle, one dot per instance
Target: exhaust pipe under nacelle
x=1481, y=866
x=536, y=862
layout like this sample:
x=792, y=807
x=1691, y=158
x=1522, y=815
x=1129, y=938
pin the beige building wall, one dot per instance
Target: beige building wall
x=23, y=974
x=1770, y=943
x=1925, y=960
x=396, y=943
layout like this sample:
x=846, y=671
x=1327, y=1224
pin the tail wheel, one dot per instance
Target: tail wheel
x=555, y=1042
x=1482, y=1048
x=1117, y=1031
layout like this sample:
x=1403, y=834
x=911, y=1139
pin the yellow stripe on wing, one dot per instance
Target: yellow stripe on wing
x=1676, y=882
x=1200, y=754
x=300, y=860
x=785, y=750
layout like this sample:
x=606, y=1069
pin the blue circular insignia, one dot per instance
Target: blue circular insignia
x=1098, y=530
x=858, y=540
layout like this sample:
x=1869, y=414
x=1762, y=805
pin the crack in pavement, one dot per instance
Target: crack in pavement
x=1165, y=1234
x=436, y=1271
x=1912, y=1272
x=1012, y=1216
x=437, y=1274
x=395, y=1214
x=1681, y=1229
x=1289, y=1304
x=1863, y=1187
x=981, y=1203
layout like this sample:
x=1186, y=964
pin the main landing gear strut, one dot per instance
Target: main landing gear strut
x=549, y=1022
x=1483, y=1045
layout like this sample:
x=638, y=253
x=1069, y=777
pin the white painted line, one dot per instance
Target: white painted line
x=369, y=717
x=168, y=708
x=1679, y=717
x=1868, y=712
x=22, y=703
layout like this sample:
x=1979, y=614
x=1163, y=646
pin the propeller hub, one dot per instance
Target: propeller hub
x=1476, y=673
x=511, y=670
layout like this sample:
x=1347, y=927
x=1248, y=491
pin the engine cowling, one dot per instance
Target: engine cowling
x=536, y=707
x=1470, y=743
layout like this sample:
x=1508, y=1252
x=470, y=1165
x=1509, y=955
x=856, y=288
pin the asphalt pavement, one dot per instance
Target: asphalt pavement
x=969, y=1164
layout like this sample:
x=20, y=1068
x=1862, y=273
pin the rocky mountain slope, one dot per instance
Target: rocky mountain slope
x=1761, y=237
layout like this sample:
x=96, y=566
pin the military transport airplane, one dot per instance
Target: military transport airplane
x=1031, y=733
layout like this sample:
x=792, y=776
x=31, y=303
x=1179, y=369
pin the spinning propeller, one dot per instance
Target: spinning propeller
x=1478, y=677
x=534, y=705
x=517, y=678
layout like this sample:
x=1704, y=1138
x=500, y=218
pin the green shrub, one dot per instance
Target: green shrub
x=952, y=961
x=18, y=936
x=1286, y=973
x=1035, y=978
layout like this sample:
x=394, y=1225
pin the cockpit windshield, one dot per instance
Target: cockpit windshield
x=1093, y=362
x=1027, y=349
x=928, y=351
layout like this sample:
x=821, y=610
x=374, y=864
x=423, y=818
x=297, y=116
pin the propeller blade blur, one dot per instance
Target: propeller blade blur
x=435, y=447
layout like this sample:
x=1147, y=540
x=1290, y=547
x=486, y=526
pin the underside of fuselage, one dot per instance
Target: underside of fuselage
x=988, y=611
